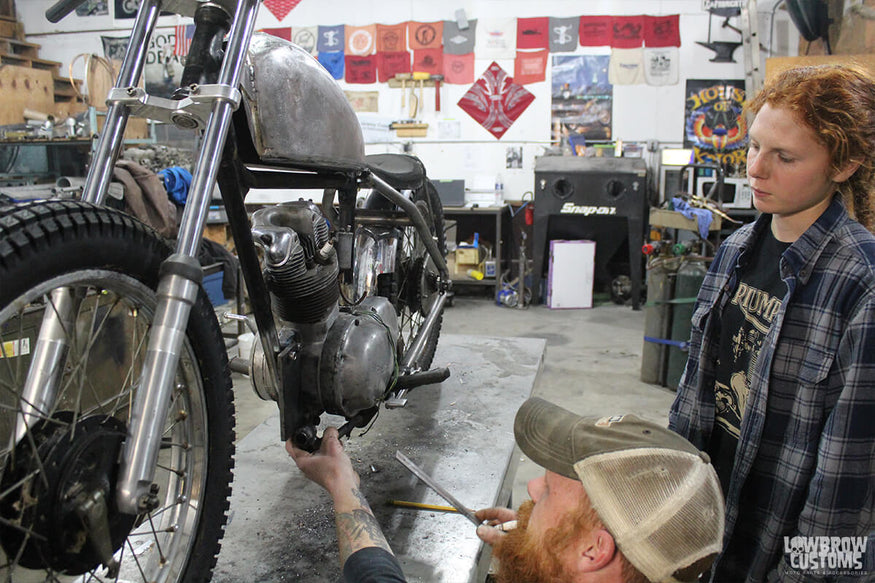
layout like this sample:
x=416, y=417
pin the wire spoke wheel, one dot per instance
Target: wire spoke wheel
x=60, y=437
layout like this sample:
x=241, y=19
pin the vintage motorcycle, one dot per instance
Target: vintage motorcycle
x=115, y=394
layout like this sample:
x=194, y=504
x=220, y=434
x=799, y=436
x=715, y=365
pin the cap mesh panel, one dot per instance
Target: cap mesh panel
x=663, y=507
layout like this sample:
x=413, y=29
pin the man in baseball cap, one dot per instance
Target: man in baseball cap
x=622, y=499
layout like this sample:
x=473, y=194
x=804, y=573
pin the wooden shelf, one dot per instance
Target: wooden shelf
x=409, y=84
x=11, y=46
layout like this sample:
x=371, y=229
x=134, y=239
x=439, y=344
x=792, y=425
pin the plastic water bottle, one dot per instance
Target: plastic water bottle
x=499, y=189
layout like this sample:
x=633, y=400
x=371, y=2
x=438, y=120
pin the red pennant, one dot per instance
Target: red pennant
x=391, y=64
x=361, y=69
x=428, y=61
x=596, y=31
x=459, y=69
x=662, y=31
x=391, y=38
x=425, y=35
x=495, y=101
x=280, y=8
x=283, y=33
x=628, y=32
x=532, y=33
x=360, y=40
x=530, y=67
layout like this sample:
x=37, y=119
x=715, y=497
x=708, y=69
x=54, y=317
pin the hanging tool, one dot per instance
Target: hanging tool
x=404, y=78
x=417, y=471
x=421, y=77
x=437, y=91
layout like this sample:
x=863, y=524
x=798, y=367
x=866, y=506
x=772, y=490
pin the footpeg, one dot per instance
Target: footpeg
x=410, y=381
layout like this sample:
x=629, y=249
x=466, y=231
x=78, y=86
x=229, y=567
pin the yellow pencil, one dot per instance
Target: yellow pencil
x=421, y=506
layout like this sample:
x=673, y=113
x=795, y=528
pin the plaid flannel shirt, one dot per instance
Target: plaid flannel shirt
x=805, y=463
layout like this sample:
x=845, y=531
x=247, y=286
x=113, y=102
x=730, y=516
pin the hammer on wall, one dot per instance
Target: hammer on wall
x=437, y=91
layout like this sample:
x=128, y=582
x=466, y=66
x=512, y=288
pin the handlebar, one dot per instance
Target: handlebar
x=62, y=8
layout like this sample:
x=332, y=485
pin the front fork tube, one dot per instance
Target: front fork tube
x=178, y=289
x=111, y=138
x=176, y=295
x=42, y=386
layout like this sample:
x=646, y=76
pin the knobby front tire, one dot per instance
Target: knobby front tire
x=53, y=452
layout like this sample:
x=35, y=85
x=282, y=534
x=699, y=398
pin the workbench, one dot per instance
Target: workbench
x=281, y=525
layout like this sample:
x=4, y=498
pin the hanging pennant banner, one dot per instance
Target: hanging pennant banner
x=459, y=41
x=360, y=40
x=596, y=31
x=425, y=35
x=428, y=61
x=563, y=34
x=361, y=69
x=532, y=33
x=283, y=33
x=628, y=32
x=496, y=39
x=330, y=39
x=305, y=37
x=459, y=69
x=530, y=66
x=495, y=101
x=662, y=31
x=333, y=62
x=280, y=8
x=391, y=38
x=626, y=67
x=661, y=66
x=391, y=64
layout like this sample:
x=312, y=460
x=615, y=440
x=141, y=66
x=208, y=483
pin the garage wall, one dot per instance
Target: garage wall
x=641, y=113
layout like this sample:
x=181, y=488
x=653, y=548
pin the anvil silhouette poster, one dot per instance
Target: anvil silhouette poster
x=713, y=125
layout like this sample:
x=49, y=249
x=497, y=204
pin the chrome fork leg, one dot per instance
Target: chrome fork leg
x=177, y=290
x=43, y=377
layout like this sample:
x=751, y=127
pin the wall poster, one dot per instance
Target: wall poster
x=92, y=8
x=713, y=125
x=582, y=98
x=163, y=70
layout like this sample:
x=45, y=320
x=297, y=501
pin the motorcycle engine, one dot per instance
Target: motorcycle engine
x=347, y=355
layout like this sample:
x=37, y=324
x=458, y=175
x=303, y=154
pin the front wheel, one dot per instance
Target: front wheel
x=59, y=443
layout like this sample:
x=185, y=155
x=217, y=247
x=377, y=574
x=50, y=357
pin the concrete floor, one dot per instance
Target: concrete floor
x=592, y=363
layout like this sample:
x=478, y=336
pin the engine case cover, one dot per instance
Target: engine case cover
x=297, y=113
x=358, y=358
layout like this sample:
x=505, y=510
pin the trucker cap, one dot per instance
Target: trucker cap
x=655, y=492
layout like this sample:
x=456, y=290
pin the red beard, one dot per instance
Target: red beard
x=523, y=559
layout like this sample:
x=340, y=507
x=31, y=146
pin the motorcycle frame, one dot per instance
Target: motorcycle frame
x=210, y=108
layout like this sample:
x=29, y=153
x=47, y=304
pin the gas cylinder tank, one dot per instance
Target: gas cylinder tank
x=297, y=113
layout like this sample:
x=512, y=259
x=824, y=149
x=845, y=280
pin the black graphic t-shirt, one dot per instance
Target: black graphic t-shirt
x=745, y=323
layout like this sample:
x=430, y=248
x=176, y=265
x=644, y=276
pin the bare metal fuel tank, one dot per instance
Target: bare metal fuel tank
x=298, y=115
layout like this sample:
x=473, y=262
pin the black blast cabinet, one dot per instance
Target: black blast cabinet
x=599, y=199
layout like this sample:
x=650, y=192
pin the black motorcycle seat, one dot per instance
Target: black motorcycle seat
x=401, y=171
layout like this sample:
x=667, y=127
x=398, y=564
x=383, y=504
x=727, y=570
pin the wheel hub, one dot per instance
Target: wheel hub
x=52, y=471
x=421, y=285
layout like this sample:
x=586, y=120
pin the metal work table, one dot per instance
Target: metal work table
x=281, y=525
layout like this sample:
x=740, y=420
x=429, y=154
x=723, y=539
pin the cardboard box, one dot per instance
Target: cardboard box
x=468, y=256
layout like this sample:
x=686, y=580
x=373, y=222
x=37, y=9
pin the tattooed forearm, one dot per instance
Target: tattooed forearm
x=357, y=529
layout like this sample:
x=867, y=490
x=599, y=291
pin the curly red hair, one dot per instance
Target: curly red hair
x=838, y=103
